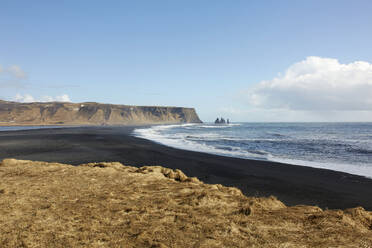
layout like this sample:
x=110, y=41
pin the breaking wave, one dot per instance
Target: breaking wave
x=335, y=146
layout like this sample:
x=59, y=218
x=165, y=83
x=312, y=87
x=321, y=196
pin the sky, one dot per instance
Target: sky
x=244, y=60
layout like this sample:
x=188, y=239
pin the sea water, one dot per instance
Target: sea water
x=345, y=147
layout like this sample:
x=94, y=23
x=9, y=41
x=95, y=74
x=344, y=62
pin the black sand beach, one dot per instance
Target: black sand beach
x=291, y=184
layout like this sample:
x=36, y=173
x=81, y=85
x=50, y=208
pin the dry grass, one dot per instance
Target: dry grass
x=110, y=205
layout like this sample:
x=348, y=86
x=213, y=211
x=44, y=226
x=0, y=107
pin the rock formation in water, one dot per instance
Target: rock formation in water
x=111, y=205
x=91, y=113
x=221, y=121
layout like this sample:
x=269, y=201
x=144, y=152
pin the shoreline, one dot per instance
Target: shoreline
x=292, y=184
x=333, y=166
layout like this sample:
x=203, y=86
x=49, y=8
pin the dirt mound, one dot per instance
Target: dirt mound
x=111, y=205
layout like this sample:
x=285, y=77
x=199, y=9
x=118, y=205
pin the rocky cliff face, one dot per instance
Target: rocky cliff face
x=91, y=113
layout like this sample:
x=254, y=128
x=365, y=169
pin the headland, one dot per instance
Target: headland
x=91, y=113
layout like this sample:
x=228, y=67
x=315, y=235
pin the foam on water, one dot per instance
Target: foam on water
x=355, y=169
x=341, y=147
x=182, y=141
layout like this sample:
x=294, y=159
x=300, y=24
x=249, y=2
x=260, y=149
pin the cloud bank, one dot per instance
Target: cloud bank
x=30, y=98
x=317, y=84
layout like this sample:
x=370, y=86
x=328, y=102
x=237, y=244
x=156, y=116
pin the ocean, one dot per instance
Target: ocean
x=345, y=147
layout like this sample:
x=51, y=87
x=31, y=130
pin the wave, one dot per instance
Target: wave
x=276, y=134
x=206, y=136
x=260, y=152
x=180, y=141
x=360, y=151
x=215, y=126
x=244, y=143
x=355, y=169
x=220, y=126
x=162, y=127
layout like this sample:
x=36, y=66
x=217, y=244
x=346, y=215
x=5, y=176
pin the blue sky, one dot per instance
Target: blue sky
x=221, y=57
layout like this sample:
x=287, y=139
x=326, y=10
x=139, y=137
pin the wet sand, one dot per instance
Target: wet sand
x=289, y=183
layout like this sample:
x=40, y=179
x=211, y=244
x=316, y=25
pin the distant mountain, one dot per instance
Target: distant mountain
x=91, y=113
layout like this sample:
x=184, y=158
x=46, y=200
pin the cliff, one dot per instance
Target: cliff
x=111, y=205
x=90, y=113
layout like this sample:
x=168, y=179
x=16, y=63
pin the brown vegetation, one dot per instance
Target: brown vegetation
x=111, y=205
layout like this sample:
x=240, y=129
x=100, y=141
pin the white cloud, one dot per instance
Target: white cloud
x=16, y=71
x=317, y=84
x=29, y=98
x=1, y=69
x=62, y=98
x=46, y=99
x=24, y=98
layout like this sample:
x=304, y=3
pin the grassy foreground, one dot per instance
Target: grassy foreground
x=111, y=205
